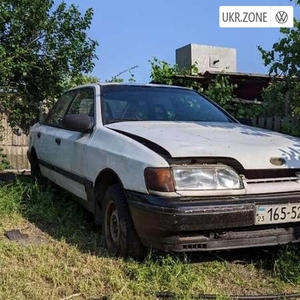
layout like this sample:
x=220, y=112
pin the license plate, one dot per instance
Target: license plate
x=273, y=214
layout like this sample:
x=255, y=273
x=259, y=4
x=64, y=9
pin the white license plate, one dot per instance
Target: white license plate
x=273, y=214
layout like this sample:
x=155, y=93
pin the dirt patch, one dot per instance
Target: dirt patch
x=28, y=235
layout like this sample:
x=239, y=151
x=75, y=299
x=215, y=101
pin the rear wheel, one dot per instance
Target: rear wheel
x=119, y=233
x=35, y=168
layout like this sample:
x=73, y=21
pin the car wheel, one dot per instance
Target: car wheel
x=35, y=169
x=119, y=234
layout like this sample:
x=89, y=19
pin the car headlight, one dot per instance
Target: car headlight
x=208, y=177
x=195, y=178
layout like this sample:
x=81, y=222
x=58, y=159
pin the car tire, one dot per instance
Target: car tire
x=120, y=237
x=35, y=169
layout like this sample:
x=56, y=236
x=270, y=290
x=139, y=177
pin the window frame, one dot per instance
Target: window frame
x=76, y=91
x=104, y=88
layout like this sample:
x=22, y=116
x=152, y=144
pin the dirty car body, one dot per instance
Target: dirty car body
x=193, y=178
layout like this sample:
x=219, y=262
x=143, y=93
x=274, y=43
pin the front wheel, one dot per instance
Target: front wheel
x=119, y=233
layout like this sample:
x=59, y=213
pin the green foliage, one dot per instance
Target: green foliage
x=65, y=251
x=42, y=45
x=284, y=60
x=10, y=200
x=39, y=203
x=219, y=90
x=290, y=129
x=80, y=79
x=287, y=264
x=274, y=98
x=117, y=77
x=222, y=92
x=168, y=273
x=163, y=73
x=274, y=104
x=4, y=162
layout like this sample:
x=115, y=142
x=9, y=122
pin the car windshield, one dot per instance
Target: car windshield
x=149, y=103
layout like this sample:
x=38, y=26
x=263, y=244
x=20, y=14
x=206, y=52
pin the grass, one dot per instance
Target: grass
x=64, y=258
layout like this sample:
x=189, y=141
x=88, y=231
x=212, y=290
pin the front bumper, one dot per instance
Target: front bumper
x=173, y=224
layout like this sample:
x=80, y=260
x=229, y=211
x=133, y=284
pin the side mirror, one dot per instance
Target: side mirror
x=78, y=122
x=245, y=121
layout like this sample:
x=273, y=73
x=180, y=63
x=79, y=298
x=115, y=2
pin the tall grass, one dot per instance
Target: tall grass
x=75, y=263
x=37, y=202
x=11, y=197
x=286, y=265
x=49, y=208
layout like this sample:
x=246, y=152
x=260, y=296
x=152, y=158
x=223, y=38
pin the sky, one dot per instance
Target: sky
x=132, y=32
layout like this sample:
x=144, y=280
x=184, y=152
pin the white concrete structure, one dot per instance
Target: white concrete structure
x=207, y=58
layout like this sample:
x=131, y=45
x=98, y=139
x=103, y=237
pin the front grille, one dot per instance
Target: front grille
x=270, y=173
x=272, y=180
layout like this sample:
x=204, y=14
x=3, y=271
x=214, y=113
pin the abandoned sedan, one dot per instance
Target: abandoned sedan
x=164, y=167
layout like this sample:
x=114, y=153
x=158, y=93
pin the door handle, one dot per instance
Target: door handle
x=38, y=135
x=57, y=141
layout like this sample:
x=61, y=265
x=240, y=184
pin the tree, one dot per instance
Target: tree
x=284, y=57
x=221, y=90
x=81, y=79
x=284, y=60
x=42, y=46
x=163, y=73
x=117, y=78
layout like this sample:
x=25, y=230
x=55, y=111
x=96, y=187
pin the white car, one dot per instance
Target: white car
x=164, y=167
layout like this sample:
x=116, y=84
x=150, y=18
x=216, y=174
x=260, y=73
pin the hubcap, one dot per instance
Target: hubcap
x=114, y=225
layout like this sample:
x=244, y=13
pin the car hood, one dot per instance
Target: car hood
x=252, y=147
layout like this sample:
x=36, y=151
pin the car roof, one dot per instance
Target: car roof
x=142, y=84
x=131, y=84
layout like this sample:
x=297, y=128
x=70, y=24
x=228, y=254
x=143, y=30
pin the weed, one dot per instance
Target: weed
x=287, y=264
x=10, y=199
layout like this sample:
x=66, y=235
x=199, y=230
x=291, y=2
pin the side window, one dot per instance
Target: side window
x=59, y=109
x=83, y=103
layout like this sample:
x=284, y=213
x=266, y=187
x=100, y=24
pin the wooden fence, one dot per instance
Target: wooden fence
x=14, y=146
x=273, y=123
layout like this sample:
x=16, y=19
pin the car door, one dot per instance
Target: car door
x=61, y=151
x=71, y=147
x=47, y=132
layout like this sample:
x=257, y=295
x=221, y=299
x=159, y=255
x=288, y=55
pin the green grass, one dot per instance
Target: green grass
x=66, y=260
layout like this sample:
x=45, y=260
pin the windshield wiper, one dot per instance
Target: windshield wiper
x=123, y=120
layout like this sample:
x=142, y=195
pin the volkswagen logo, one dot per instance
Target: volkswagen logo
x=281, y=17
